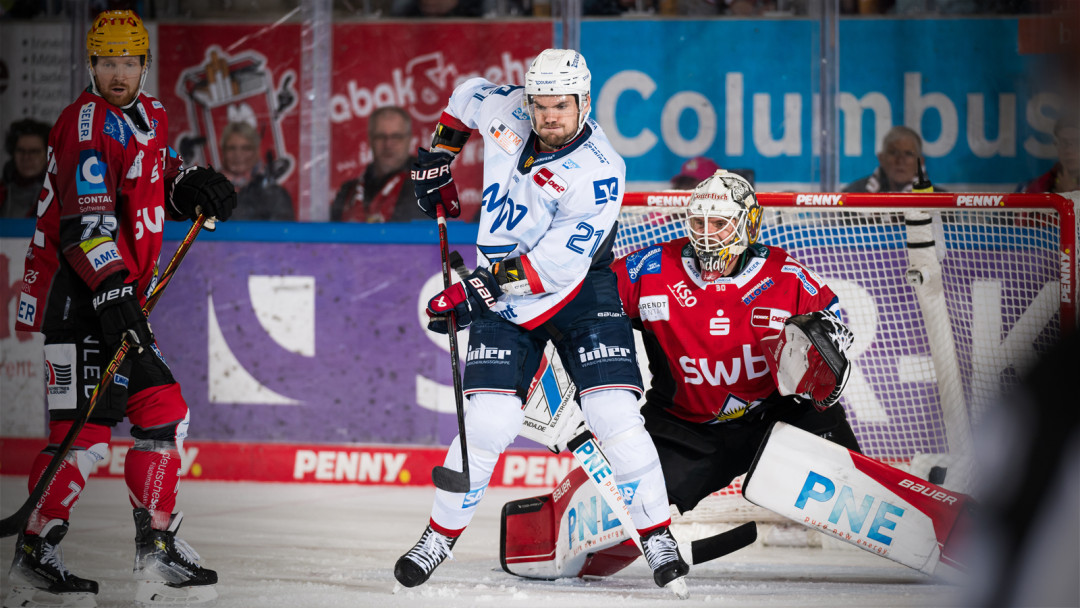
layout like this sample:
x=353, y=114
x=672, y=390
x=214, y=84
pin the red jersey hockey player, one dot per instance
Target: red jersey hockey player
x=111, y=180
x=705, y=304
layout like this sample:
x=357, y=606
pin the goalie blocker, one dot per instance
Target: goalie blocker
x=859, y=500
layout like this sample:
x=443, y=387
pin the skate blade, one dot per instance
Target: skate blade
x=679, y=588
x=32, y=597
x=157, y=593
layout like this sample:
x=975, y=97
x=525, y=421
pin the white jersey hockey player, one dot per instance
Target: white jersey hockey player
x=553, y=186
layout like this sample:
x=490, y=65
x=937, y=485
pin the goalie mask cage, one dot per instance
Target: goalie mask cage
x=949, y=297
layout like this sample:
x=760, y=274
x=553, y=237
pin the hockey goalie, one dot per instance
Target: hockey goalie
x=747, y=349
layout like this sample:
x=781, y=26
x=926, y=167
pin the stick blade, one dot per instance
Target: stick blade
x=717, y=546
x=450, y=480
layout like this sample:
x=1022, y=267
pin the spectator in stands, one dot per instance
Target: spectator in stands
x=437, y=8
x=899, y=160
x=1064, y=176
x=26, y=144
x=385, y=191
x=259, y=197
x=693, y=172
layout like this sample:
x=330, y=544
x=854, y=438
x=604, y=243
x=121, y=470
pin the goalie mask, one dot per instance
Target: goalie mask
x=559, y=72
x=117, y=34
x=723, y=218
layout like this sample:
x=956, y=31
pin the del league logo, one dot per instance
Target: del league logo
x=772, y=318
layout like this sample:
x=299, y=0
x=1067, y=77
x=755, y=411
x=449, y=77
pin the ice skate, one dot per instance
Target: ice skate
x=38, y=575
x=416, y=566
x=669, y=568
x=167, y=570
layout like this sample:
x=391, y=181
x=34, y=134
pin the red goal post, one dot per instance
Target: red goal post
x=950, y=297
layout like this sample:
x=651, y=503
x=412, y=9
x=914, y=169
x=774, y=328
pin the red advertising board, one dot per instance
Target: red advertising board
x=310, y=463
x=210, y=75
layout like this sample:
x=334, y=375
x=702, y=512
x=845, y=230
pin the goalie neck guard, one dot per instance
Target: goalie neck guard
x=723, y=218
x=559, y=72
x=117, y=34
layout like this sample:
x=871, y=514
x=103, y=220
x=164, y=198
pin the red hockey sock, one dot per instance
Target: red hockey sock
x=152, y=478
x=67, y=484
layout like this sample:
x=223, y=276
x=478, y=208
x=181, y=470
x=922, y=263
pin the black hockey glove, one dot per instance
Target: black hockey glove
x=200, y=189
x=433, y=184
x=467, y=300
x=117, y=306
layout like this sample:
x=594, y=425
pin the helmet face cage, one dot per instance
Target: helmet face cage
x=117, y=34
x=730, y=199
x=559, y=72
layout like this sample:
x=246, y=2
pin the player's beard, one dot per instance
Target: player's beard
x=118, y=97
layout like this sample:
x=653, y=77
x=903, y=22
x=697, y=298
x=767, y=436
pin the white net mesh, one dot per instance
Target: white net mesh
x=948, y=305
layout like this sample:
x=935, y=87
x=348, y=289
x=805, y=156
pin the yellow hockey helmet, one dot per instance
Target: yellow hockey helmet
x=117, y=34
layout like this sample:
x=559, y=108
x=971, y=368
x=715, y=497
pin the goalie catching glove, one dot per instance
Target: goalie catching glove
x=202, y=190
x=807, y=358
x=467, y=300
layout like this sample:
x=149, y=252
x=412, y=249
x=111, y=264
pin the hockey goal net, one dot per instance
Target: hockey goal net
x=949, y=297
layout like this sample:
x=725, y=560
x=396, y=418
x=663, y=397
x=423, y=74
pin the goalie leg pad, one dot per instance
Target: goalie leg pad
x=567, y=533
x=857, y=499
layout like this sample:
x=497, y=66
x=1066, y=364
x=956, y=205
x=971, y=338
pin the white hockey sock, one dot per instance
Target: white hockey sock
x=492, y=421
x=614, y=417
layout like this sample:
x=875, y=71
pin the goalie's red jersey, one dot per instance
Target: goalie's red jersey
x=704, y=339
x=101, y=208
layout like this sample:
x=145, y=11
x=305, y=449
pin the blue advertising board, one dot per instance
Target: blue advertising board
x=744, y=93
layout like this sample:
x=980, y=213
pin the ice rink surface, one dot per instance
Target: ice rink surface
x=326, y=546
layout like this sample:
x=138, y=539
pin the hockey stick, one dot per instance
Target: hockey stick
x=444, y=478
x=13, y=524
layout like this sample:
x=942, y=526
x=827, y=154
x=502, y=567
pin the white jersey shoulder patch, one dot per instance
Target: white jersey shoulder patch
x=505, y=137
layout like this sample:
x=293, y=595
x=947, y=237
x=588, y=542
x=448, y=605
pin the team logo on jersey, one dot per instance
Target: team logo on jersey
x=550, y=183
x=90, y=178
x=157, y=104
x=646, y=261
x=503, y=135
x=116, y=128
x=521, y=114
x=495, y=253
x=86, y=122
x=654, y=308
x=773, y=318
x=570, y=164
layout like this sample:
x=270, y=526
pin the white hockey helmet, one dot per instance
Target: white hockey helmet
x=559, y=72
x=729, y=198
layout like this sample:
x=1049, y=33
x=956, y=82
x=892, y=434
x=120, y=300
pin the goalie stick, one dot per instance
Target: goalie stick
x=444, y=478
x=12, y=524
